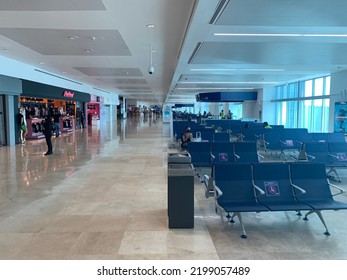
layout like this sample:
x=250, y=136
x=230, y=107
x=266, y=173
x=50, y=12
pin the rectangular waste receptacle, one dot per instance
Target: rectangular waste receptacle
x=178, y=158
x=181, y=195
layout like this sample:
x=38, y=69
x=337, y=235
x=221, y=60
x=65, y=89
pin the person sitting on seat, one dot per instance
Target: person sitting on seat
x=266, y=125
x=186, y=137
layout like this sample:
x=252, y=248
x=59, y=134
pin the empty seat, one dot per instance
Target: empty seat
x=337, y=137
x=234, y=191
x=274, y=180
x=222, y=152
x=320, y=136
x=200, y=153
x=246, y=152
x=221, y=137
x=313, y=179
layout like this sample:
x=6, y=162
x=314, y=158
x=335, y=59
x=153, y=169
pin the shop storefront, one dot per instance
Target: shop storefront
x=38, y=99
x=93, y=110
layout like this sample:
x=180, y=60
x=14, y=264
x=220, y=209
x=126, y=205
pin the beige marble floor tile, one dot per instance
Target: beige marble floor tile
x=48, y=246
x=97, y=244
x=12, y=243
x=144, y=243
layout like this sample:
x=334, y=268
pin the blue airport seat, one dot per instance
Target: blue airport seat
x=274, y=180
x=221, y=137
x=318, y=152
x=246, y=152
x=222, y=152
x=320, y=136
x=313, y=179
x=200, y=153
x=234, y=191
x=337, y=137
x=272, y=139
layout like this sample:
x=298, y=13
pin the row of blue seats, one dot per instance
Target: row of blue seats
x=292, y=139
x=332, y=154
x=204, y=154
x=262, y=187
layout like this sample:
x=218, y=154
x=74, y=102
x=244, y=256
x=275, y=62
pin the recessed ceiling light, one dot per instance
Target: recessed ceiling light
x=41, y=63
x=73, y=37
x=151, y=25
x=88, y=50
x=4, y=50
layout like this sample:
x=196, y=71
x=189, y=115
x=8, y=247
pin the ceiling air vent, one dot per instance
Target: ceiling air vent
x=197, y=48
x=219, y=10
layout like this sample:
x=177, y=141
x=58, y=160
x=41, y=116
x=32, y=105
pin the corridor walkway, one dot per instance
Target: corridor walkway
x=103, y=195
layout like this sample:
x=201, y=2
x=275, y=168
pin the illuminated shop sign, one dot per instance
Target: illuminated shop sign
x=68, y=94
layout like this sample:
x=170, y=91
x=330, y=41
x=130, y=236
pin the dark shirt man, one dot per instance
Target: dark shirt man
x=47, y=130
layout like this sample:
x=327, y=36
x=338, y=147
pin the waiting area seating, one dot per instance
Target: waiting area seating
x=205, y=154
x=263, y=187
x=332, y=154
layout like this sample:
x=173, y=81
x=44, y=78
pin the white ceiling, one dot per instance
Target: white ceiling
x=106, y=44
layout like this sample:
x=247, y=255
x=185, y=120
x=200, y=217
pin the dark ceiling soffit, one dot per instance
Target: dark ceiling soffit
x=219, y=10
x=226, y=96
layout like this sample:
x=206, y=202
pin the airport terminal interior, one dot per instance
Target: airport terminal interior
x=103, y=195
x=116, y=71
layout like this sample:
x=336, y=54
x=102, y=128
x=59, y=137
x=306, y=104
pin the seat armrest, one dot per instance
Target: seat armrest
x=261, y=156
x=338, y=188
x=332, y=155
x=206, y=179
x=261, y=192
x=310, y=157
x=213, y=156
x=237, y=156
x=298, y=188
x=217, y=191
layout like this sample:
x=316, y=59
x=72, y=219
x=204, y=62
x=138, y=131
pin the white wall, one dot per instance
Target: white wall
x=250, y=110
x=338, y=93
x=268, y=108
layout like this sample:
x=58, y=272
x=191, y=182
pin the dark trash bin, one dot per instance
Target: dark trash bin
x=181, y=195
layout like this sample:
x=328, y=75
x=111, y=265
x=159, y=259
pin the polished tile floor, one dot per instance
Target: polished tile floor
x=103, y=195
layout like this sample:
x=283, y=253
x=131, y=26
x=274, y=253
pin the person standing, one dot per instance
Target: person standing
x=47, y=131
x=21, y=120
x=82, y=118
x=56, y=119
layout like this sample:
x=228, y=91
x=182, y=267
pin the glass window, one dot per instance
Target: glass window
x=308, y=89
x=307, y=111
x=318, y=87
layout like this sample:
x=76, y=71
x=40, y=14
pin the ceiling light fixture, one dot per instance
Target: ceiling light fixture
x=235, y=69
x=89, y=50
x=73, y=37
x=278, y=35
x=213, y=88
x=151, y=25
x=252, y=82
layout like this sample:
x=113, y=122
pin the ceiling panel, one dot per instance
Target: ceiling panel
x=272, y=53
x=284, y=13
x=109, y=71
x=49, y=5
x=69, y=42
x=123, y=81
